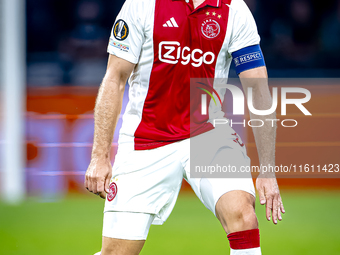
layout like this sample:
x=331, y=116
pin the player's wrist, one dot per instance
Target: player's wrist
x=98, y=157
x=266, y=175
x=267, y=170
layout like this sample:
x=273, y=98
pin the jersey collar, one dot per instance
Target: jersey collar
x=212, y=3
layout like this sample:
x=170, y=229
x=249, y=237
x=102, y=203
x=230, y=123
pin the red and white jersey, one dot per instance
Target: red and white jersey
x=171, y=42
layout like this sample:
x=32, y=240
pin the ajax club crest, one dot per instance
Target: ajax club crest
x=210, y=28
x=113, y=192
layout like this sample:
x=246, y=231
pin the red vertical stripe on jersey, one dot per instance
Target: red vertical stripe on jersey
x=180, y=53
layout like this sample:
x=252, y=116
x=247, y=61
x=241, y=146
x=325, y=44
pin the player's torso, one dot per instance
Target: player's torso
x=189, y=38
x=181, y=43
x=182, y=36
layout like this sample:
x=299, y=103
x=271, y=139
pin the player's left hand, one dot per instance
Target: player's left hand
x=270, y=196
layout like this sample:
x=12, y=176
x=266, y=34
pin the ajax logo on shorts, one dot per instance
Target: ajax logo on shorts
x=120, y=30
x=113, y=192
x=238, y=139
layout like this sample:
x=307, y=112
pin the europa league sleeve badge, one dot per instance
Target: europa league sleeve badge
x=120, y=30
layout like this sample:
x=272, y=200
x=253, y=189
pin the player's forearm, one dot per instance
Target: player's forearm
x=107, y=111
x=265, y=136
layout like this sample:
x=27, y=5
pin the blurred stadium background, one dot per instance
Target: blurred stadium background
x=53, y=57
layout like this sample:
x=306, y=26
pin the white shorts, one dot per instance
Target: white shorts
x=127, y=225
x=149, y=181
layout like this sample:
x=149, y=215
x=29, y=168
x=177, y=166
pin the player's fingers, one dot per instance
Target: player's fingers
x=102, y=195
x=275, y=209
x=269, y=207
x=100, y=185
x=262, y=196
x=280, y=206
x=86, y=182
x=92, y=184
x=107, y=184
x=282, y=209
x=89, y=185
x=279, y=215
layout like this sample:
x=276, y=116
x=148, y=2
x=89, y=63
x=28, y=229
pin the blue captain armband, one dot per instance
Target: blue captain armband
x=248, y=58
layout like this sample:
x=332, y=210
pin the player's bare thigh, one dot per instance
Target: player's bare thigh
x=113, y=246
x=236, y=211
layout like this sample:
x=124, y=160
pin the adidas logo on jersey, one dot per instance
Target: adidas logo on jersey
x=171, y=23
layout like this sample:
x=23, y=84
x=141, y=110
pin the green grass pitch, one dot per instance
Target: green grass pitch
x=73, y=226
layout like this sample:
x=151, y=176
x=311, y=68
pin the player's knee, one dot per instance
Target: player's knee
x=236, y=211
x=107, y=251
x=242, y=218
x=110, y=247
x=114, y=250
x=113, y=246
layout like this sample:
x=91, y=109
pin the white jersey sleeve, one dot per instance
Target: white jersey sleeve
x=244, y=31
x=127, y=35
